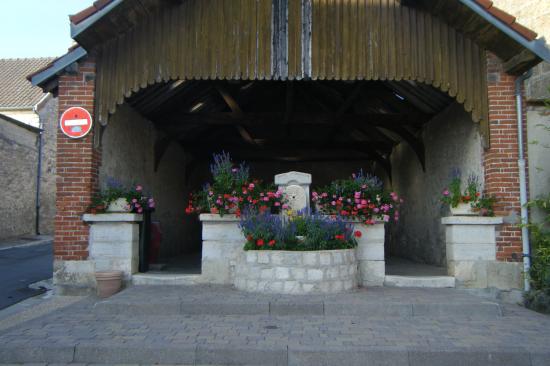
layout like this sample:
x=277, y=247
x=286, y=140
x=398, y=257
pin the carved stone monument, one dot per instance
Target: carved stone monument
x=295, y=187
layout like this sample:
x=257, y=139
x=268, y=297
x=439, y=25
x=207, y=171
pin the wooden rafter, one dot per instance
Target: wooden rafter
x=237, y=113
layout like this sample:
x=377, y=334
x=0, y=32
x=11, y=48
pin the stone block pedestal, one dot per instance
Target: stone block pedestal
x=114, y=242
x=370, y=254
x=222, y=245
x=295, y=272
x=471, y=254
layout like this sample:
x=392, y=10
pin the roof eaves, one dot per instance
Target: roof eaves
x=537, y=46
x=39, y=78
x=20, y=124
x=92, y=18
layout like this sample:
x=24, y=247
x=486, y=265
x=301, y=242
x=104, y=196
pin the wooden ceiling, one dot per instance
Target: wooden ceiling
x=291, y=120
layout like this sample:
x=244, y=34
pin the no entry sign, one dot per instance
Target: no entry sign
x=76, y=122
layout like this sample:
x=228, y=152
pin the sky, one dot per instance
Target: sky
x=36, y=28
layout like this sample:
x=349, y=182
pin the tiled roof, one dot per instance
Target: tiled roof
x=507, y=19
x=15, y=90
x=498, y=13
x=89, y=11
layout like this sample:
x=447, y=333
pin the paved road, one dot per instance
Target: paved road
x=85, y=333
x=19, y=267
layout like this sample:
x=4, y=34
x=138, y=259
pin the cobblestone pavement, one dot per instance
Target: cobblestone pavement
x=79, y=333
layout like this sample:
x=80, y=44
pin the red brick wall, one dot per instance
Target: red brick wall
x=77, y=167
x=500, y=161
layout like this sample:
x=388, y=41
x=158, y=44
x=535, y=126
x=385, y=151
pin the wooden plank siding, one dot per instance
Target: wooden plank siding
x=336, y=40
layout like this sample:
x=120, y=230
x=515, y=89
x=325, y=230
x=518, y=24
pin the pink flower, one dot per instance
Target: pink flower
x=140, y=210
x=285, y=206
x=364, y=202
x=446, y=192
x=324, y=194
x=139, y=188
x=357, y=194
x=277, y=204
x=266, y=199
x=234, y=170
x=333, y=203
x=386, y=218
x=134, y=200
x=251, y=186
x=151, y=204
x=210, y=193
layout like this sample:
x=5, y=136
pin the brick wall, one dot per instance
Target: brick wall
x=77, y=167
x=500, y=160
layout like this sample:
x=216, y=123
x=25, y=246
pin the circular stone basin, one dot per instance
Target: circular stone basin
x=291, y=272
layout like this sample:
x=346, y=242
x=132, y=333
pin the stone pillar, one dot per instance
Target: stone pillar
x=222, y=245
x=472, y=254
x=114, y=242
x=370, y=254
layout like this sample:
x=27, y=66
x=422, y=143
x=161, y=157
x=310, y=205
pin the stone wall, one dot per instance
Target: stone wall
x=452, y=140
x=18, y=167
x=18, y=173
x=534, y=14
x=128, y=157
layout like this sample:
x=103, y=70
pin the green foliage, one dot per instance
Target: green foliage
x=485, y=205
x=540, y=243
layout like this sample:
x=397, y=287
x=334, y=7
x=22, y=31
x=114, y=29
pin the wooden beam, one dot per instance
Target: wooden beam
x=274, y=119
x=237, y=113
x=278, y=147
x=521, y=62
x=415, y=143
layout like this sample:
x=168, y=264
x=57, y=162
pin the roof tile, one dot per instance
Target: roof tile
x=15, y=90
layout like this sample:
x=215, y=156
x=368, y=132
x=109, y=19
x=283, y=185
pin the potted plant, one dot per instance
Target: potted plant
x=467, y=202
x=117, y=198
x=360, y=198
x=232, y=190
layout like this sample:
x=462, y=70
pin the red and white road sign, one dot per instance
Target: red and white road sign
x=76, y=122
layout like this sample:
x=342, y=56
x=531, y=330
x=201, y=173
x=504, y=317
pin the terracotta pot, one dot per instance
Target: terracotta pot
x=463, y=209
x=108, y=283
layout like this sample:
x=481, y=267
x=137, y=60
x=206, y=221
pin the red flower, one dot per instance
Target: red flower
x=271, y=243
x=260, y=242
x=339, y=237
x=249, y=238
x=357, y=234
x=478, y=194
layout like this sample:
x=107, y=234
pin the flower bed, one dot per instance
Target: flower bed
x=297, y=272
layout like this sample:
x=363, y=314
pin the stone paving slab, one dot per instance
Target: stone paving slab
x=78, y=334
x=224, y=300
